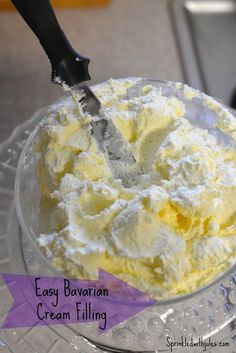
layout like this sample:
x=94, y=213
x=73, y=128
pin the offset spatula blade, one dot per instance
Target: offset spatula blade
x=91, y=103
x=110, y=140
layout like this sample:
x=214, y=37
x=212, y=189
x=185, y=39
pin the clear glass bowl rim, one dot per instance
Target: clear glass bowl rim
x=31, y=236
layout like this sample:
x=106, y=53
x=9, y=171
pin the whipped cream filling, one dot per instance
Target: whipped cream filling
x=169, y=233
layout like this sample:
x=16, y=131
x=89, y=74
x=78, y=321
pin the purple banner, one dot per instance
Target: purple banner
x=41, y=300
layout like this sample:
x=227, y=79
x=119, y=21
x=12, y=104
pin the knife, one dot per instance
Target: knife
x=71, y=68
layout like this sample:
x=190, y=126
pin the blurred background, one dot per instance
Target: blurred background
x=191, y=41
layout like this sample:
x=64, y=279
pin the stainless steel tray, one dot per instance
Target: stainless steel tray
x=206, y=33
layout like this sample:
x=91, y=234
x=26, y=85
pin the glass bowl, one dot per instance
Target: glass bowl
x=206, y=312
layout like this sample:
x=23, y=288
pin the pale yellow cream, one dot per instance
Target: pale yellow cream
x=167, y=235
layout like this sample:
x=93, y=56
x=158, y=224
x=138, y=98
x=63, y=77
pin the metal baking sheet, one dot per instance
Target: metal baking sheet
x=206, y=33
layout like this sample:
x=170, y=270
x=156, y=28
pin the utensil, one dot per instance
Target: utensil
x=71, y=68
x=233, y=100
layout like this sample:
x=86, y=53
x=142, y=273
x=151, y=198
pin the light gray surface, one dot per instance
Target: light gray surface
x=206, y=31
x=127, y=38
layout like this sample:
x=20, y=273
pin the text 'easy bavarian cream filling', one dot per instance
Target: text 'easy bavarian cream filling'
x=168, y=234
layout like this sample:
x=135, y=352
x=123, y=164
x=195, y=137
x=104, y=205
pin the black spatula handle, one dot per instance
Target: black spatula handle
x=67, y=64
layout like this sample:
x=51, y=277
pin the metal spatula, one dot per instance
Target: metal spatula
x=72, y=68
